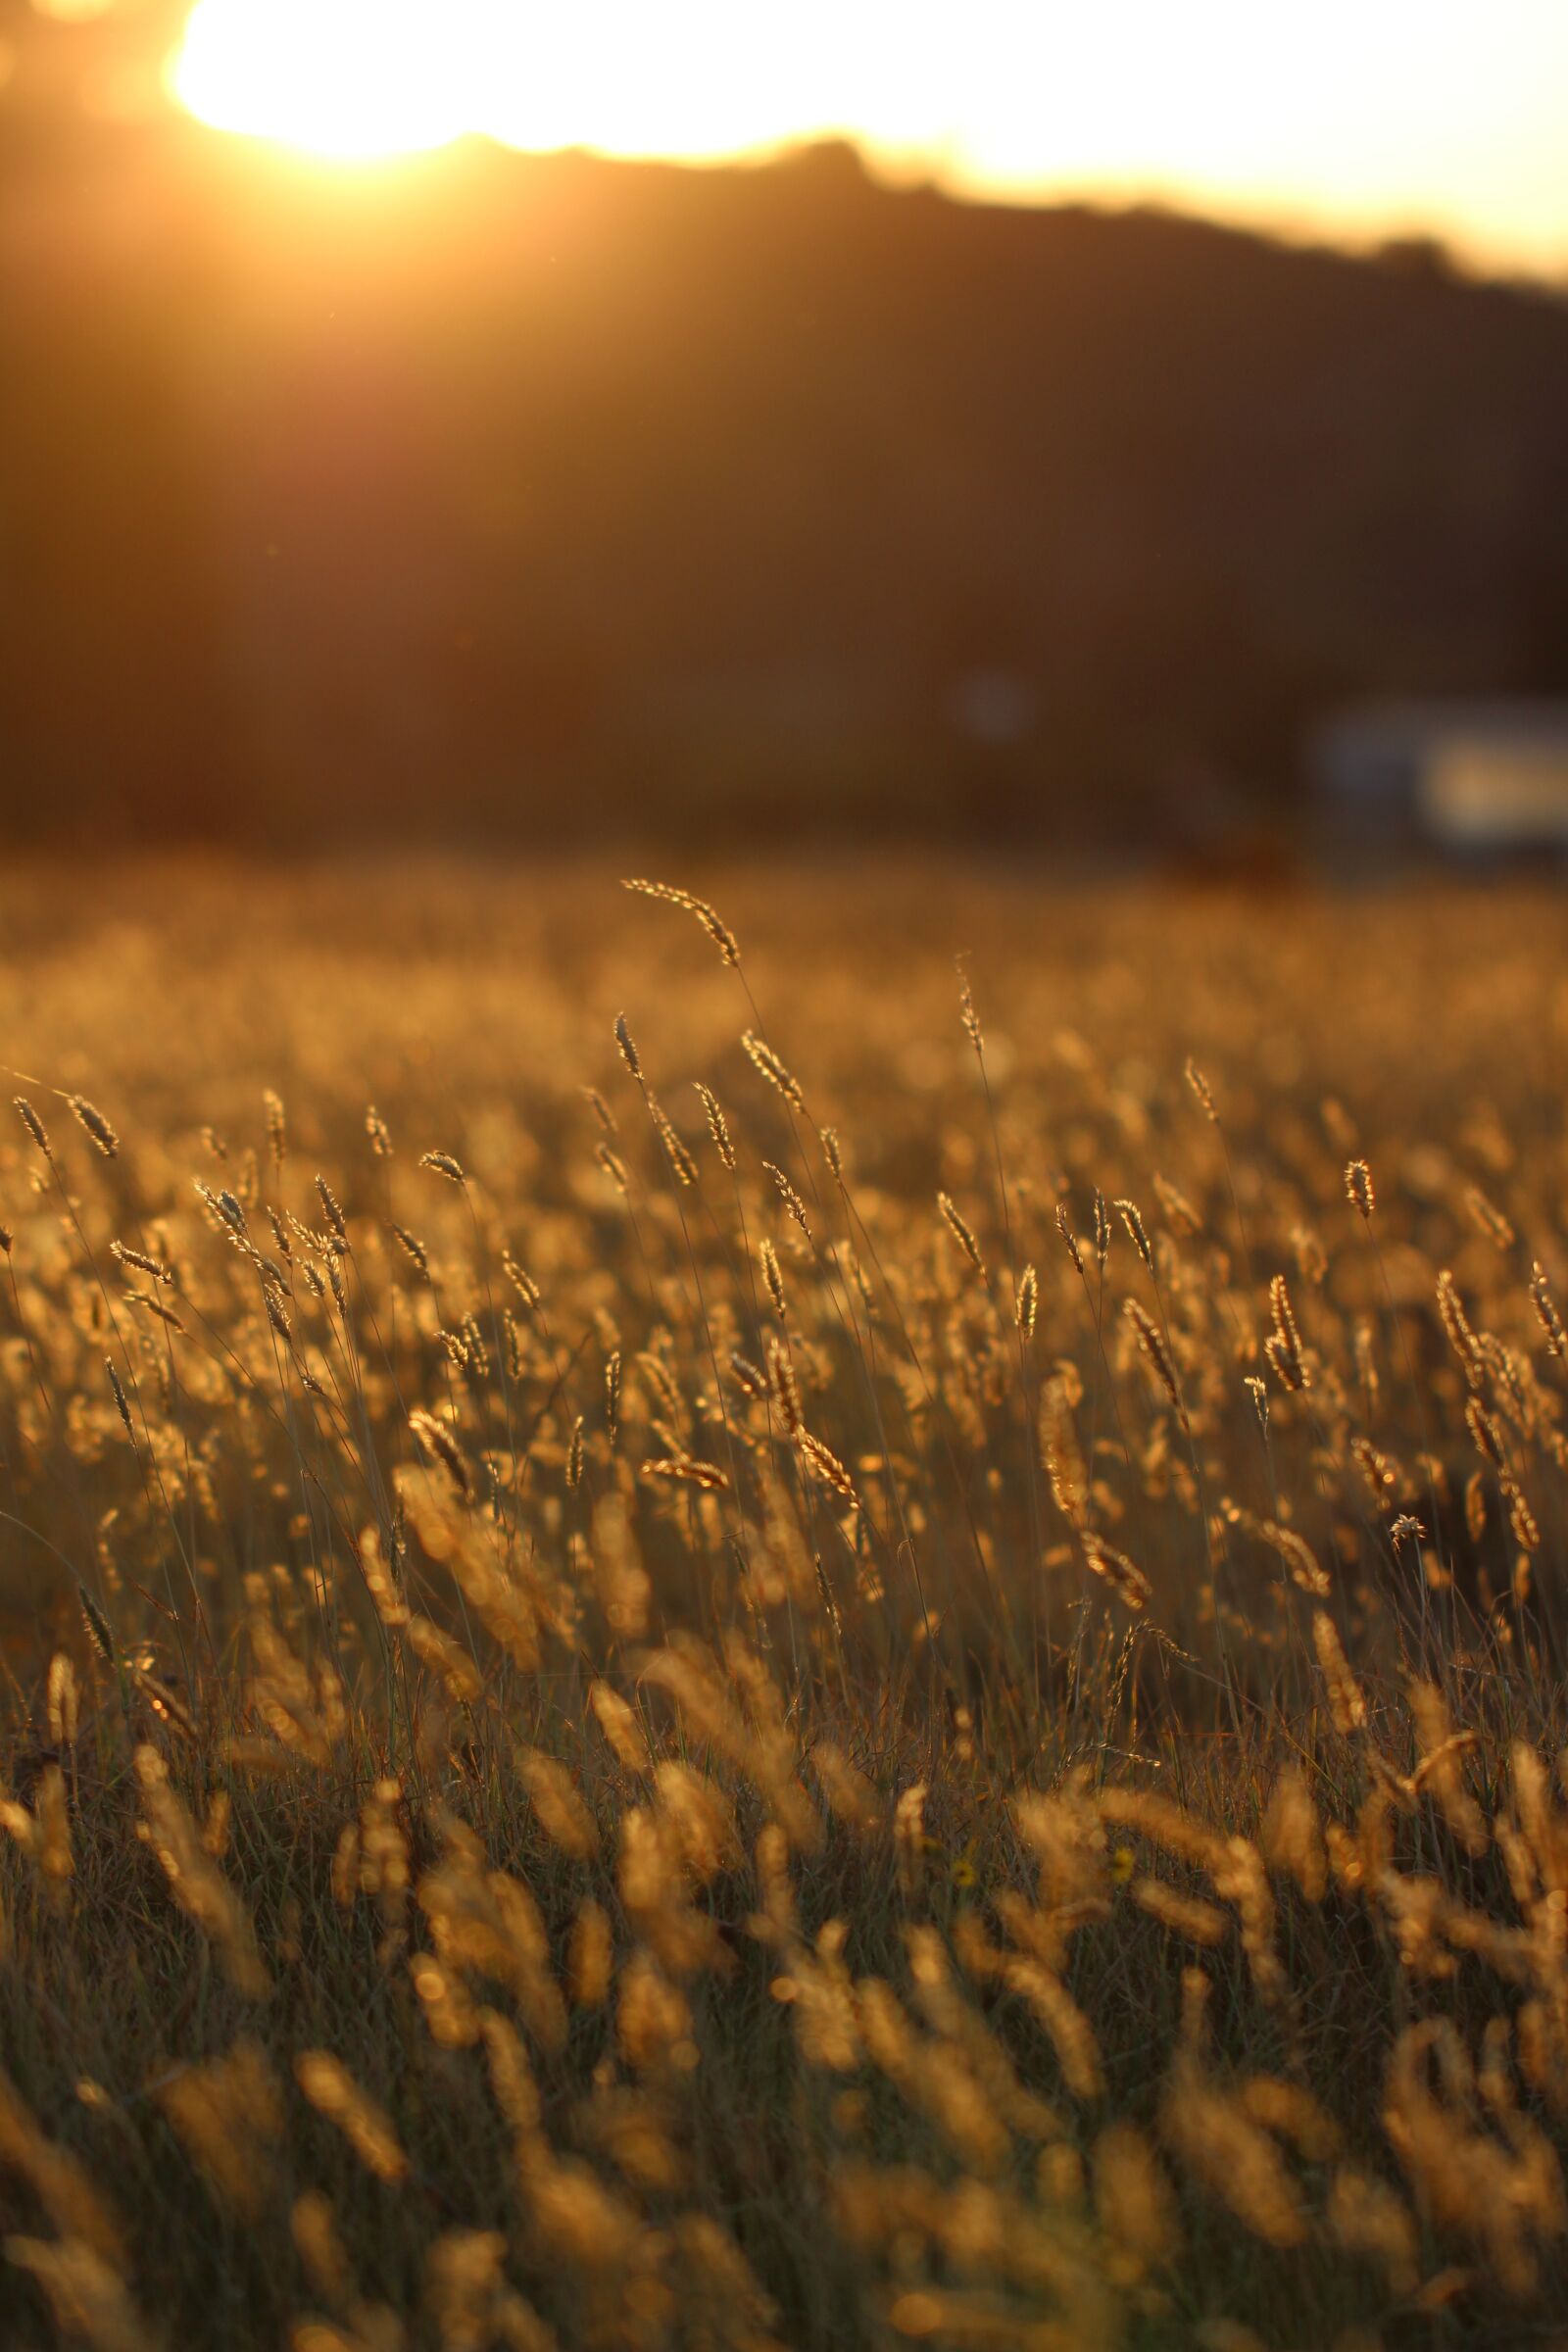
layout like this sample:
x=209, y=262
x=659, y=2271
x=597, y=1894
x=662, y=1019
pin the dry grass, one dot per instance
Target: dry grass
x=840, y=1663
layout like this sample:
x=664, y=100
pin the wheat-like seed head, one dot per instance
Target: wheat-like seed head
x=1129, y=1584
x=442, y=1164
x=968, y=1015
x=628, y=1051
x=1202, y=1090
x=685, y=1470
x=785, y=1388
x=1346, y=1696
x=103, y=1136
x=764, y=1059
x=1151, y=1339
x=1284, y=1346
x=144, y=1262
x=717, y=930
x=437, y=1439
x=961, y=1232
x=35, y=1125
x=717, y=1127
x=773, y=1277
x=1133, y=1221
x=332, y=2090
x=1359, y=1188
x=1466, y=1346
x=1546, y=1307
x=825, y=1463
x=789, y=1196
x=121, y=1405
x=682, y=1164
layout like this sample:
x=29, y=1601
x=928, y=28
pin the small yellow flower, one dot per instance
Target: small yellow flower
x=964, y=1874
x=1123, y=1862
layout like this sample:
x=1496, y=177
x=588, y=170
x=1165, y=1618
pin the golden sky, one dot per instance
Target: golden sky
x=1352, y=117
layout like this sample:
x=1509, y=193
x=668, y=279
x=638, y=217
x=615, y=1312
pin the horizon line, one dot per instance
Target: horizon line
x=1293, y=225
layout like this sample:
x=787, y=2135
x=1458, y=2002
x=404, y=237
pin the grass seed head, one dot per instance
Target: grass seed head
x=718, y=931
x=105, y=1140
x=35, y=1125
x=764, y=1059
x=443, y=1164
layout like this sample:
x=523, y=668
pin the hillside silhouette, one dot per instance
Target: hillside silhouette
x=487, y=494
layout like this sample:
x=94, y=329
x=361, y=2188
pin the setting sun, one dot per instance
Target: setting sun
x=349, y=78
x=1342, y=119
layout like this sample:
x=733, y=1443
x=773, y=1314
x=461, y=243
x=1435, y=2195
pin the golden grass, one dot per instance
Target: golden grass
x=886, y=1667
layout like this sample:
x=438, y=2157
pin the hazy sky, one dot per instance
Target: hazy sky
x=1354, y=116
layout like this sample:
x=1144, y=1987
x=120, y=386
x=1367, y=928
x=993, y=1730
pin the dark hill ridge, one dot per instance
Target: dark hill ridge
x=553, y=492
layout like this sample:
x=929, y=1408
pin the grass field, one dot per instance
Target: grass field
x=920, y=1699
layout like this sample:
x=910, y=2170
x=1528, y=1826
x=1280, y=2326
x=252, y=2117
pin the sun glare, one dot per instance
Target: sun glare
x=347, y=78
x=1358, y=120
x=362, y=78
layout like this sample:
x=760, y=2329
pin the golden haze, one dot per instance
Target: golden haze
x=1337, y=119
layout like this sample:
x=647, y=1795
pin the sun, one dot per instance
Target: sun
x=377, y=78
x=347, y=78
x=696, y=79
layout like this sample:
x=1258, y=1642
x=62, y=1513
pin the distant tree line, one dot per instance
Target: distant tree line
x=484, y=493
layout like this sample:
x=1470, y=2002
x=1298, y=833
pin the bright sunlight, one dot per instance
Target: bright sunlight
x=1339, y=119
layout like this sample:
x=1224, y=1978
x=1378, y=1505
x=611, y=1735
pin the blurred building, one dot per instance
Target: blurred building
x=1478, y=778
